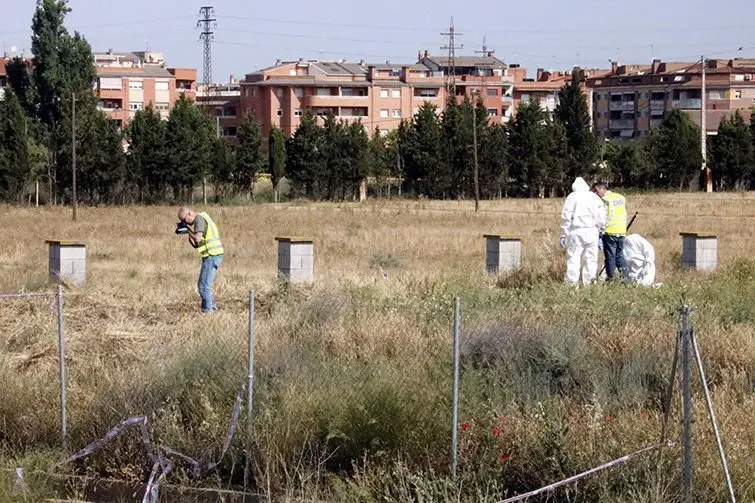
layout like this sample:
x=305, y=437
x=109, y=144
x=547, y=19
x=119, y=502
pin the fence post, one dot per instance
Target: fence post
x=455, y=430
x=62, y=367
x=686, y=406
x=249, y=390
x=712, y=416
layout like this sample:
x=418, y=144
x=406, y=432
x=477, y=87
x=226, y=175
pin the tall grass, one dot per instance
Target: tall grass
x=353, y=375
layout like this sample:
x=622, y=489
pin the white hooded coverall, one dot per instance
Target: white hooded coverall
x=639, y=255
x=582, y=217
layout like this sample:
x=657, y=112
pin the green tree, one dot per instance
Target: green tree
x=383, y=152
x=63, y=67
x=457, y=130
x=530, y=148
x=573, y=113
x=15, y=165
x=20, y=75
x=249, y=160
x=627, y=164
x=421, y=146
x=304, y=160
x=276, y=152
x=189, y=147
x=674, y=151
x=147, y=166
x=732, y=156
x=224, y=172
x=493, y=161
x=357, y=155
x=334, y=147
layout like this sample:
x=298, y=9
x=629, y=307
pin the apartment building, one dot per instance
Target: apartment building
x=129, y=81
x=379, y=95
x=3, y=76
x=222, y=102
x=545, y=86
x=632, y=99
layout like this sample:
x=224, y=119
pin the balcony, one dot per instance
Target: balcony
x=687, y=104
x=621, y=124
x=314, y=100
x=657, y=104
x=621, y=105
x=425, y=97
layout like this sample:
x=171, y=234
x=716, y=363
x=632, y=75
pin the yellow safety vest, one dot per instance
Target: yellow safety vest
x=210, y=244
x=617, y=213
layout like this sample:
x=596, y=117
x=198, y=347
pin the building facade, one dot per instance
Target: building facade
x=545, y=86
x=380, y=95
x=129, y=82
x=222, y=103
x=631, y=100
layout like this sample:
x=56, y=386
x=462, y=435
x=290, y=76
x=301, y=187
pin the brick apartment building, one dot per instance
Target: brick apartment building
x=128, y=82
x=223, y=103
x=631, y=99
x=379, y=95
x=545, y=86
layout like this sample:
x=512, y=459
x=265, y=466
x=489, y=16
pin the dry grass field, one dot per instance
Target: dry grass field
x=353, y=375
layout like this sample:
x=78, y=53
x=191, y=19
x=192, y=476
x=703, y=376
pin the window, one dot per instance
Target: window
x=493, y=112
x=297, y=112
x=230, y=112
x=384, y=93
x=135, y=84
x=395, y=93
x=161, y=85
x=280, y=112
x=161, y=106
x=492, y=92
x=229, y=131
x=737, y=94
x=739, y=78
x=110, y=82
x=426, y=93
x=717, y=94
x=298, y=92
x=279, y=92
x=395, y=113
x=136, y=105
x=383, y=113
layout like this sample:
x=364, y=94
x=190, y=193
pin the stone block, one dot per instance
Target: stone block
x=67, y=262
x=699, y=251
x=503, y=253
x=295, y=259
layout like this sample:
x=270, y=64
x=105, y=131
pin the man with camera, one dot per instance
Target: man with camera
x=204, y=236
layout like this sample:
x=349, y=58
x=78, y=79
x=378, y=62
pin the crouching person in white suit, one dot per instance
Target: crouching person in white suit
x=582, y=218
x=639, y=255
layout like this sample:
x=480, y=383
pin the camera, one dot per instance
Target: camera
x=182, y=228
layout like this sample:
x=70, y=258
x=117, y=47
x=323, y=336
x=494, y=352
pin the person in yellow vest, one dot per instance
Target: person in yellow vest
x=615, y=231
x=204, y=236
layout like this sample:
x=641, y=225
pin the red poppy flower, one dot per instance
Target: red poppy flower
x=464, y=426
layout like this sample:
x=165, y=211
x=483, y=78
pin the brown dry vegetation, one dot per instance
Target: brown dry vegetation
x=353, y=374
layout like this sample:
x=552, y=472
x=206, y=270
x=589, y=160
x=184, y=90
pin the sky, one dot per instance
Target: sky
x=555, y=34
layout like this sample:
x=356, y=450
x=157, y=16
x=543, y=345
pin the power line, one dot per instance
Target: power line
x=206, y=23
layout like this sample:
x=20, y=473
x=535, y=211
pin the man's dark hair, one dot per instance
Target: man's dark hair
x=599, y=185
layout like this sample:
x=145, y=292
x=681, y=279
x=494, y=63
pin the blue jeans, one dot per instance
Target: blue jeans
x=613, y=247
x=206, y=277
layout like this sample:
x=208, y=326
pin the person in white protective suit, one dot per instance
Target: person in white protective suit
x=639, y=255
x=582, y=218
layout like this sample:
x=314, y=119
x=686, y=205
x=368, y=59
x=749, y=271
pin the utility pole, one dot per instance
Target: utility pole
x=703, y=132
x=474, y=146
x=206, y=23
x=73, y=151
x=451, y=48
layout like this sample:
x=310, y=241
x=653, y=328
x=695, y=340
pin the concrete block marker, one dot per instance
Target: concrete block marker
x=296, y=259
x=67, y=262
x=503, y=253
x=699, y=251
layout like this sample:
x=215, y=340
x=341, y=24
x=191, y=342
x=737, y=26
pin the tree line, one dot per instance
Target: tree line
x=151, y=160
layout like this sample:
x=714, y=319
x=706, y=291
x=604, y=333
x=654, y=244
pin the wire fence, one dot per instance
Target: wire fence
x=316, y=397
